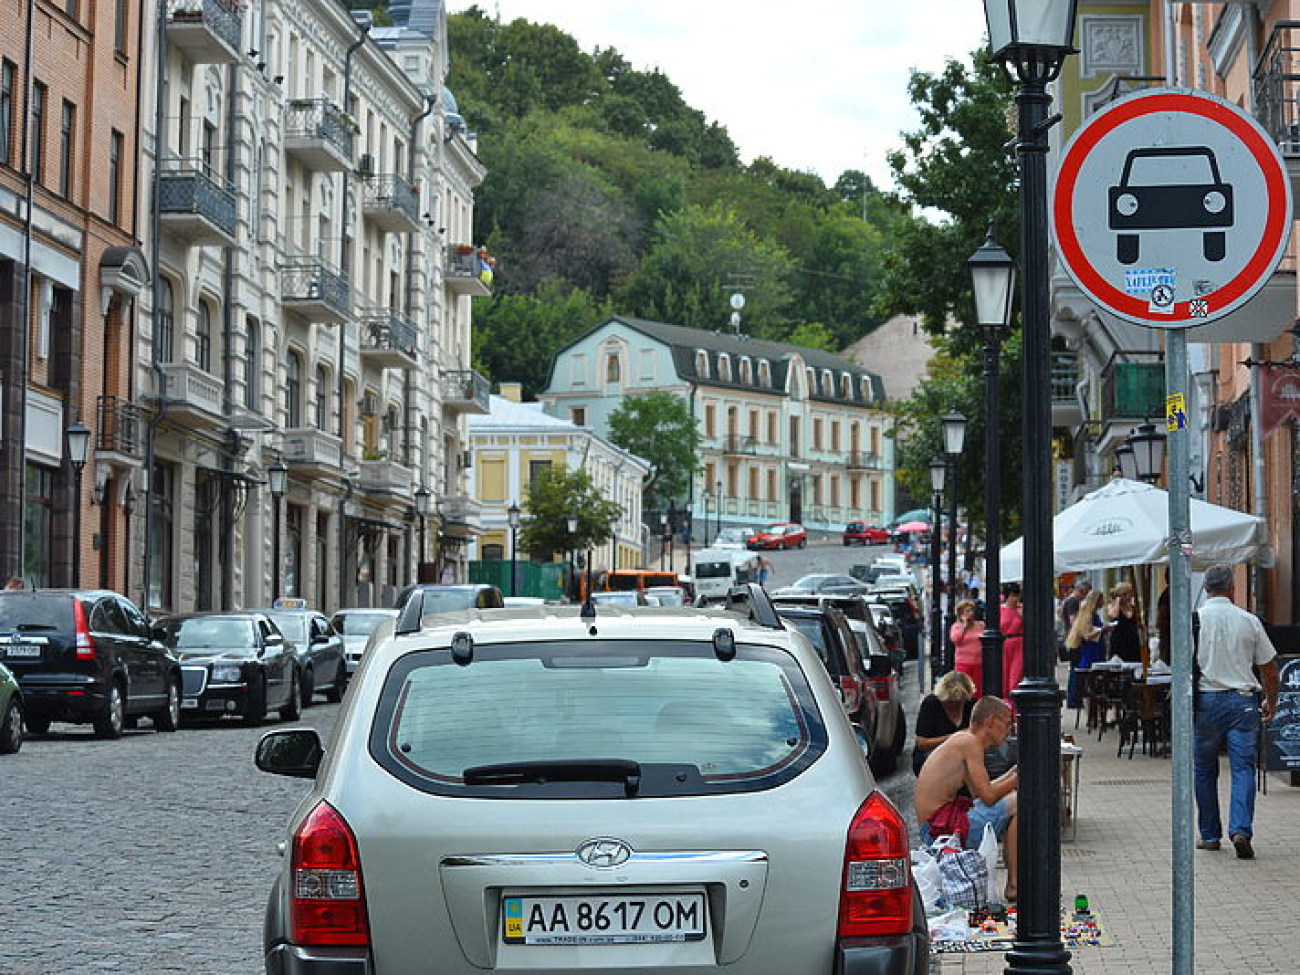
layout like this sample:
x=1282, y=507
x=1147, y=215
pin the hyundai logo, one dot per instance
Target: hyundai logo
x=604, y=852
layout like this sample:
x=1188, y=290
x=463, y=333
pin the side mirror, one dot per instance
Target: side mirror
x=296, y=752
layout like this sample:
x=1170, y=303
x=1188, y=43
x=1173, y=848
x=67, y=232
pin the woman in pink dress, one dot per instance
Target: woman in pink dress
x=965, y=635
x=1012, y=622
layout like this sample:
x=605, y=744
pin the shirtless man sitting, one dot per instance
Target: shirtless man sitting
x=959, y=762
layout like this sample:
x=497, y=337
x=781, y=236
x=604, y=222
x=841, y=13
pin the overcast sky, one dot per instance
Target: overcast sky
x=820, y=87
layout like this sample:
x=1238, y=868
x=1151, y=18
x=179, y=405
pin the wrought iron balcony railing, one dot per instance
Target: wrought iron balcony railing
x=196, y=203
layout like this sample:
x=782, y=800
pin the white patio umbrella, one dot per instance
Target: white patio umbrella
x=1127, y=523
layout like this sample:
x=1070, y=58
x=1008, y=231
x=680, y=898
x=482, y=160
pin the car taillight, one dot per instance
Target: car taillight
x=85, y=643
x=849, y=689
x=327, y=903
x=881, y=684
x=876, y=896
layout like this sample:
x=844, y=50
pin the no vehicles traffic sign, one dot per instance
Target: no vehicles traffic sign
x=1171, y=208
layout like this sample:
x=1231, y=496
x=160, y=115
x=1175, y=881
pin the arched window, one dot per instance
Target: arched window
x=810, y=374
x=846, y=385
x=746, y=370
x=866, y=389
x=613, y=371
x=701, y=363
x=724, y=367
x=764, y=373
x=293, y=391
x=828, y=383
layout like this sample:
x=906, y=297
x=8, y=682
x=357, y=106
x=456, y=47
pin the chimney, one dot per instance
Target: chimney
x=514, y=392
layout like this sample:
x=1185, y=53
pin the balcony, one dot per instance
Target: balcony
x=208, y=31
x=117, y=430
x=193, y=394
x=862, y=460
x=1066, y=409
x=465, y=391
x=387, y=478
x=388, y=340
x=391, y=203
x=319, y=135
x=196, y=204
x=738, y=446
x=461, y=273
x=313, y=450
x=313, y=289
x=462, y=516
x=1133, y=391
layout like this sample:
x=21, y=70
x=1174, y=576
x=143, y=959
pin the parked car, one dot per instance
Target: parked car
x=236, y=664
x=824, y=582
x=907, y=612
x=355, y=626
x=322, y=662
x=667, y=595
x=827, y=629
x=732, y=538
x=11, y=713
x=891, y=632
x=783, y=534
x=890, y=728
x=862, y=533
x=622, y=597
x=87, y=656
x=507, y=791
x=452, y=597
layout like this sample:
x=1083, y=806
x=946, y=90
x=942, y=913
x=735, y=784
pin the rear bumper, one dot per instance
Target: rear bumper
x=294, y=960
x=63, y=696
x=899, y=955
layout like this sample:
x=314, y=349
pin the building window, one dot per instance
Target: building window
x=161, y=514
x=817, y=433
x=746, y=371
x=293, y=391
x=252, y=360
x=115, y=144
x=536, y=468
x=119, y=26
x=865, y=385
x=724, y=367
x=612, y=369
x=578, y=416
x=771, y=426
x=37, y=162
x=166, y=322
x=71, y=7
x=710, y=420
x=771, y=485
x=67, y=144
x=846, y=386
x=38, y=525
x=321, y=404
x=764, y=372
x=810, y=375
x=203, y=338
x=835, y=435
x=8, y=78
x=702, y=364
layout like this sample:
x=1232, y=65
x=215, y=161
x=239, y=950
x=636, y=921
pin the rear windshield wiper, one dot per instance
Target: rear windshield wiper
x=31, y=627
x=558, y=770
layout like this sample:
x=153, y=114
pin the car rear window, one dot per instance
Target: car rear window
x=691, y=723
x=292, y=625
x=45, y=611
x=359, y=624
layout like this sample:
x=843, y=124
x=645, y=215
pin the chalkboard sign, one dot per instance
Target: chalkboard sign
x=1282, y=734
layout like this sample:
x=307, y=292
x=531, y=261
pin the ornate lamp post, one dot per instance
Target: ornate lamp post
x=277, y=479
x=1032, y=38
x=1147, y=446
x=938, y=473
x=422, y=496
x=663, y=538
x=571, y=523
x=993, y=277
x=78, y=448
x=718, y=529
x=512, y=515
x=954, y=436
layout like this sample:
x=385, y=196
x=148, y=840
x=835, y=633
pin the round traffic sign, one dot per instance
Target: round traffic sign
x=1171, y=208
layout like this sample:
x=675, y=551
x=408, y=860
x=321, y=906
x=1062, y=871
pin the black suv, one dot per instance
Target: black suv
x=87, y=656
x=828, y=630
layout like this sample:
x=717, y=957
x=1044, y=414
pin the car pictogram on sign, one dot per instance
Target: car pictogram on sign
x=1170, y=188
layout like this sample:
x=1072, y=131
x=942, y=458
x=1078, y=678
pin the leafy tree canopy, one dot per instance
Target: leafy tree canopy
x=556, y=495
x=659, y=428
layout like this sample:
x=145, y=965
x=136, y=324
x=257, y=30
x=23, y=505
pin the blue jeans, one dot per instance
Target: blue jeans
x=1234, y=716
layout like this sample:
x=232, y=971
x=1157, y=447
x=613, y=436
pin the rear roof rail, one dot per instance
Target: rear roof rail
x=751, y=600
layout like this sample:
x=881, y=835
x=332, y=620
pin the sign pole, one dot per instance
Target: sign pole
x=1180, y=635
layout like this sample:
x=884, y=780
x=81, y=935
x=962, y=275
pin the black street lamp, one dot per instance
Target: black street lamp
x=718, y=530
x=512, y=514
x=664, y=538
x=422, y=497
x=938, y=472
x=993, y=278
x=571, y=522
x=1147, y=447
x=1032, y=38
x=78, y=448
x=954, y=436
x=277, y=478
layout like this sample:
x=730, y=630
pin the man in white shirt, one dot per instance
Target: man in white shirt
x=1230, y=643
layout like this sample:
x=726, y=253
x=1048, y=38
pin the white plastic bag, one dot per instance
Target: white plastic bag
x=989, y=848
x=950, y=926
x=926, y=871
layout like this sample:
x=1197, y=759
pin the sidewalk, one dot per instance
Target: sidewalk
x=1245, y=909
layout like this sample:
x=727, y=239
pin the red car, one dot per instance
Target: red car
x=784, y=534
x=860, y=533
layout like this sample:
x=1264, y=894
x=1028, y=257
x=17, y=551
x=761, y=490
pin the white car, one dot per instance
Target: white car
x=674, y=791
x=356, y=626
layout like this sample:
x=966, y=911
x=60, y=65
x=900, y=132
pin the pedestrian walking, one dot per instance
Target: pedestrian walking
x=967, y=650
x=1012, y=622
x=1230, y=704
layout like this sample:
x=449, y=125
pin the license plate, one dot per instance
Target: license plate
x=20, y=650
x=624, y=918
x=215, y=705
x=190, y=704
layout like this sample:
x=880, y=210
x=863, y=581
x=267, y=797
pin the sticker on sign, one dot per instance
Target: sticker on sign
x=1180, y=176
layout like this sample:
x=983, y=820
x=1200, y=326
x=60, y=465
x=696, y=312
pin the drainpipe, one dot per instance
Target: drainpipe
x=363, y=22
x=408, y=386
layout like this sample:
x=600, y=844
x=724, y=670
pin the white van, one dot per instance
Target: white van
x=718, y=569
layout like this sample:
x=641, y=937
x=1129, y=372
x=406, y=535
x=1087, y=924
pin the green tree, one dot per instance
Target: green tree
x=556, y=495
x=659, y=428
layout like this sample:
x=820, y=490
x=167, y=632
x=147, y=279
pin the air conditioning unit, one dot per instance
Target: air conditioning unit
x=366, y=167
x=369, y=405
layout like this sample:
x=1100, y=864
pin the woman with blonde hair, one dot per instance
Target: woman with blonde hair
x=1084, y=643
x=942, y=713
x=965, y=633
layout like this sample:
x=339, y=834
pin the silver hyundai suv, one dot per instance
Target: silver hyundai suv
x=564, y=790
